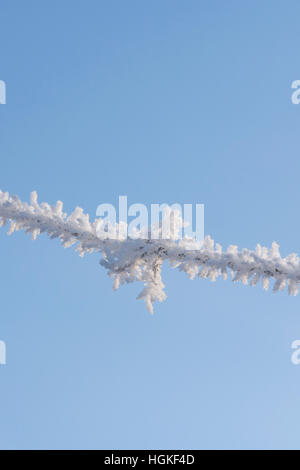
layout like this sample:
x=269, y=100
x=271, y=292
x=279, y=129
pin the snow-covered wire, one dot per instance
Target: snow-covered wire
x=127, y=260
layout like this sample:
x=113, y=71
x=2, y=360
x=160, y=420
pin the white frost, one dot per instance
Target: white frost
x=141, y=259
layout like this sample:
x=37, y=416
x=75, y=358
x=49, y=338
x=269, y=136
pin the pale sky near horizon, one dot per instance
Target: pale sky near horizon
x=162, y=101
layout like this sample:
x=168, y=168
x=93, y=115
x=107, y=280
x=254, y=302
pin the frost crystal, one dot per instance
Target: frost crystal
x=140, y=259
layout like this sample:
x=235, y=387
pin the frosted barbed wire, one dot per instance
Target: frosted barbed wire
x=141, y=259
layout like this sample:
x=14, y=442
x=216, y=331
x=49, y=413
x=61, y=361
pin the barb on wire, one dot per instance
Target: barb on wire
x=140, y=259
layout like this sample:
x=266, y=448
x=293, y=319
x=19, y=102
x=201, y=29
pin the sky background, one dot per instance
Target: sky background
x=162, y=101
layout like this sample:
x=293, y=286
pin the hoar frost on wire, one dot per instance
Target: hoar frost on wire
x=141, y=259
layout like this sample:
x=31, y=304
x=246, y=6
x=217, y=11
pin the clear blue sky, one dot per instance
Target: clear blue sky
x=164, y=101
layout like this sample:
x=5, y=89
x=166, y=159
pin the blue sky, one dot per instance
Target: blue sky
x=163, y=101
